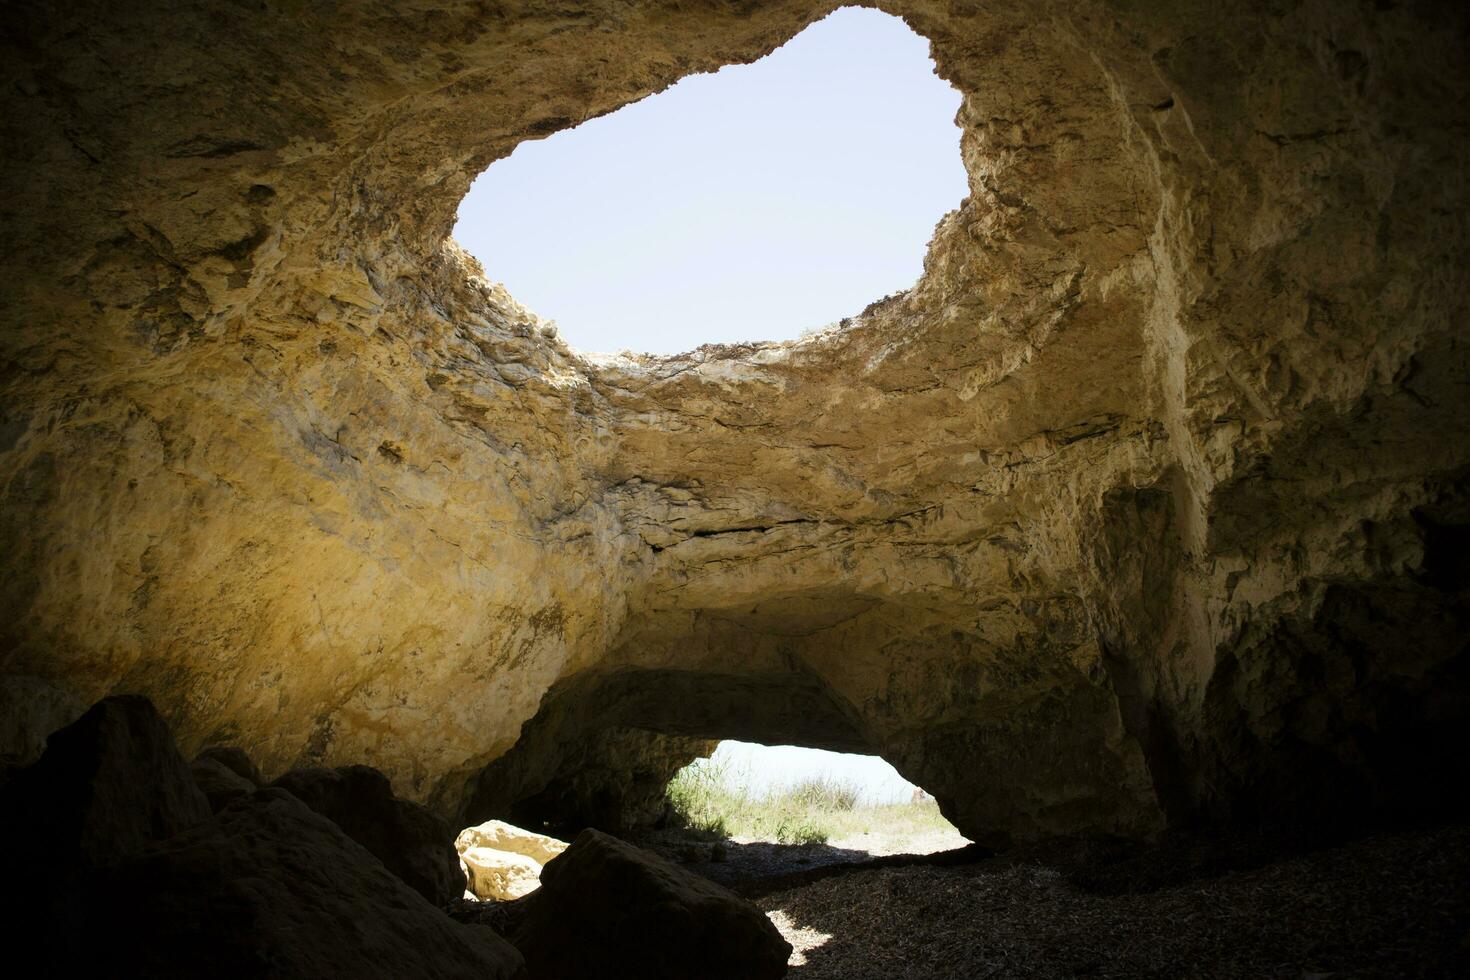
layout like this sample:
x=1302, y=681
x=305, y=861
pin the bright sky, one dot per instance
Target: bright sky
x=767, y=767
x=749, y=204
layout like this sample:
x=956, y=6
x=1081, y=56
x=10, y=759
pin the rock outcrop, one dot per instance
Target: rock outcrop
x=1146, y=504
x=107, y=787
x=609, y=909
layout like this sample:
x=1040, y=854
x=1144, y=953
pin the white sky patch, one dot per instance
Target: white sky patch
x=766, y=768
x=749, y=204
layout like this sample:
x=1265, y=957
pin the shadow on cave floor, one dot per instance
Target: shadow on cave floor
x=1392, y=905
x=754, y=867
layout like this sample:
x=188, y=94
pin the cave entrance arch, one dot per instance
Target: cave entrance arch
x=852, y=803
x=604, y=745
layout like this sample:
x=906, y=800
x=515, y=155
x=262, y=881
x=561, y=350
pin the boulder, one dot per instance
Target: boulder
x=220, y=784
x=234, y=759
x=411, y=841
x=106, y=787
x=107, y=784
x=502, y=836
x=269, y=888
x=608, y=909
x=495, y=875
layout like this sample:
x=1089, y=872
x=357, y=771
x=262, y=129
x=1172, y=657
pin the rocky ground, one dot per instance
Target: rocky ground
x=1388, y=906
x=750, y=865
x=1394, y=905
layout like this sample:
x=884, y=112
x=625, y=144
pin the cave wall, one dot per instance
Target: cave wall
x=1146, y=504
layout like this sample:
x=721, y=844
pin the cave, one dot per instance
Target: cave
x=1140, y=518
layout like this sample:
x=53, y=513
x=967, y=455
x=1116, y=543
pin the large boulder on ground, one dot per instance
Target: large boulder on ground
x=270, y=889
x=224, y=774
x=234, y=759
x=498, y=876
x=502, y=836
x=107, y=784
x=411, y=841
x=608, y=909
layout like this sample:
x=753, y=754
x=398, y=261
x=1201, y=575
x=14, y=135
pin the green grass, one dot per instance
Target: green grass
x=712, y=798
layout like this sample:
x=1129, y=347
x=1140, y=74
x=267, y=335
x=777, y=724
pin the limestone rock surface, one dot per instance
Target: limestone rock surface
x=234, y=759
x=502, y=861
x=502, y=836
x=1147, y=504
x=220, y=785
x=497, y=876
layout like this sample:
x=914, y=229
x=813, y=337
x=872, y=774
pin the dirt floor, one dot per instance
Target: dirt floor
x=752, y=866
x=1390, y=906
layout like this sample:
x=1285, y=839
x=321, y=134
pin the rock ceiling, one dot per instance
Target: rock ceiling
x=1146, y=504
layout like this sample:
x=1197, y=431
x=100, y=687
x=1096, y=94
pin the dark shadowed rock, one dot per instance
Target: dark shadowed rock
x=608, y=909
x=107, y=784
x=235, y=760
x=411, y=841
x=220, y=784
x=270, y=889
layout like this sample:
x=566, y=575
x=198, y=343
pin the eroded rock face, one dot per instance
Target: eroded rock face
x=1146, y=503
x=114, y=865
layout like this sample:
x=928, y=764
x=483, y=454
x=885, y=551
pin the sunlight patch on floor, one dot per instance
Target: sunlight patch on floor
x=801, y=938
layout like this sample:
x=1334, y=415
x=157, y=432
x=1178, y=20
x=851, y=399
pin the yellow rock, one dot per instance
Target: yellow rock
x=501, y=836
x=501, y=875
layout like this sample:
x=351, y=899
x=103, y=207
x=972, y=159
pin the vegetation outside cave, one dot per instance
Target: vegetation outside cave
x=825, y=798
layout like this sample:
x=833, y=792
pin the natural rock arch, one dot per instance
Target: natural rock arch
x=1141, y=506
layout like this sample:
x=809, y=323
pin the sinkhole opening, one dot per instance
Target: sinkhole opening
x=758, y=202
